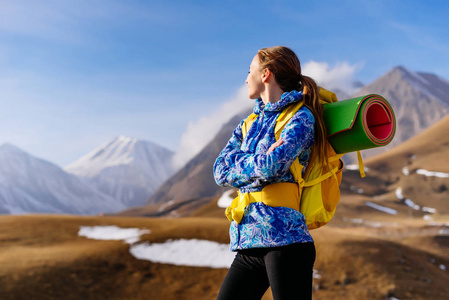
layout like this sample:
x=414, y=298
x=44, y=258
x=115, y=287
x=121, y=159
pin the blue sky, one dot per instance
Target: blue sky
x=75, y=74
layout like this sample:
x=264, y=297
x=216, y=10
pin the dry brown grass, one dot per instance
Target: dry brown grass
x=42, y=257
x=430, y=147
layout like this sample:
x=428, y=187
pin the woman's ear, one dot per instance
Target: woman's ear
x=266, y=74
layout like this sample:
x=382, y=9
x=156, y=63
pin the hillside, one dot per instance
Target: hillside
x=428, y=150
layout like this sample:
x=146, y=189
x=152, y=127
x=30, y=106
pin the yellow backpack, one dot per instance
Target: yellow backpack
x=319, y=190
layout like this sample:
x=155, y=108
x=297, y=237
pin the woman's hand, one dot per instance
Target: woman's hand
x=274, y=145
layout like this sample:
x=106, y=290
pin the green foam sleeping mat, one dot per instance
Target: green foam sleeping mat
x=359, y=123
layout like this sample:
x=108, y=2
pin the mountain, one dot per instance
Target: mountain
x=418, y=100
x=125, y=168
x=32, y=185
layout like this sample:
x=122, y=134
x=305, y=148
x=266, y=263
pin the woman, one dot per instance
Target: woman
x=274, y=247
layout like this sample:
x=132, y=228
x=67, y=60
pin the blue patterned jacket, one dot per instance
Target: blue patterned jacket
x=244, y=164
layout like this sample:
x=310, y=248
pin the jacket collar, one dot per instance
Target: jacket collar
x=286, y=99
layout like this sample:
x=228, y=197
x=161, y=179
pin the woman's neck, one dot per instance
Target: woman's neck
x=271, y=94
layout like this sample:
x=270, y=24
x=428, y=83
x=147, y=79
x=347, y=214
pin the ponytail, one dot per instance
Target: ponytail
x=312, y=102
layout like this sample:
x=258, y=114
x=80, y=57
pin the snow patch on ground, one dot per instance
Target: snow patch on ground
x=429, y=209
x=412, y=204
x=166, y=205
x=430, y=173
x=354, y=189
x=225, y=199
x=381, y=208
x=114, y=233
x=405, y=171
x=399, y=194
x=354, y=167
x=427, y=218
x=368, y=223
x=195, y=253
x=441, y=266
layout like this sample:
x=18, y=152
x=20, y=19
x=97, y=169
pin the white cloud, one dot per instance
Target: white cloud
x=202, y=131
x=340, y=76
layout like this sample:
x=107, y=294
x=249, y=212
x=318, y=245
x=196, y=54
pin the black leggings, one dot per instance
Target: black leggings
x=287, y=269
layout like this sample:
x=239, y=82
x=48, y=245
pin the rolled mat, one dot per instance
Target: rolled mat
x=359, y=123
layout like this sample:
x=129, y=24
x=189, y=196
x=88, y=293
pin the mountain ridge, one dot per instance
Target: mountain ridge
x=125, y=168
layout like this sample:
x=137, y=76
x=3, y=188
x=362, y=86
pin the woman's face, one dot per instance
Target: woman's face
x=254, y=79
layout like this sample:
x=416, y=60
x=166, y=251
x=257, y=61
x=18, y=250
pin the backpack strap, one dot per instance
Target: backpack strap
x=247, y=124
x=331, y=172
x=361, y=166
x=282, y=120
x=285, y=116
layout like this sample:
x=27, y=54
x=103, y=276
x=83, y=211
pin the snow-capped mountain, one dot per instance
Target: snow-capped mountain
x=32, y=185
x=125, y=168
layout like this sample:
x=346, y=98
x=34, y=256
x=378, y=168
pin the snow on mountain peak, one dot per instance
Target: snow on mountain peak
x=126, y=168
x=121, y=150
x=114, y=153
x=125, y=139
x=7, y=147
